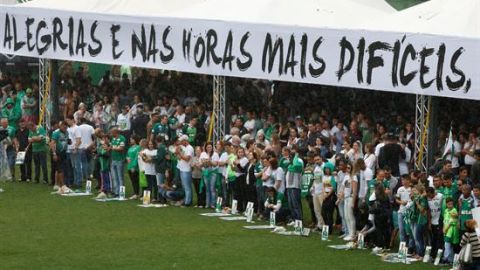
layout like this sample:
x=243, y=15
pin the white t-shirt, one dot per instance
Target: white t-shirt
x=182, y=165
x=435, y=206
x=403, y=163
x=86, y=133
x=404, y=195
x=181, y=118
x=378, y=147
x=243, y=162
x=73, y=135
x=270, y=180
x=365, y=176
x=123, y=122
x=456, y=149
x=250, y=126
x=370, y=161
x=149, y=167
x=347, y=185
x=223, y=158
x=469, y=160
x=279, y=175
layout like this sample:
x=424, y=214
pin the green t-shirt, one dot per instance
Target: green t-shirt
x=465, y=211
x=115, y=142
x=13, y=115
x=284, y=163
x=159, y=129
x=172, y=123
x=133, y=156
x=231, y=167
x=449, y=192
x=422, y=218
x=191, y=132
x=452, y=234
x=307, y=181
x=104, y=159
x=61, y=140
x=39, y=146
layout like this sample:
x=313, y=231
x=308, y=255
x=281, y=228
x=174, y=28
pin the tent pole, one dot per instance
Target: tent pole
x=423, y=106
x=218, y=108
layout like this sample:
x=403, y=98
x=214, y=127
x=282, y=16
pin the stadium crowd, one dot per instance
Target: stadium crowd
x=345, y=155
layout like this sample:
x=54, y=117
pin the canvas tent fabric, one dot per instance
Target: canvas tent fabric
x=346, y=43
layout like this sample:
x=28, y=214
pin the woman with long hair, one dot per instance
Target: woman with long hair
x=132, y=165
x=197, y=173
x=349, y=196
x=209, y=174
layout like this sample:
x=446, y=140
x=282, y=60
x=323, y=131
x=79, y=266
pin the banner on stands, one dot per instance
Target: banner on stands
x=398, y=62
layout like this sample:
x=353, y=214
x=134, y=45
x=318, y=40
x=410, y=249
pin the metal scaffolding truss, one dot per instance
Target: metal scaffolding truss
x=218, y=108
x=423, y=107
x=43, y=89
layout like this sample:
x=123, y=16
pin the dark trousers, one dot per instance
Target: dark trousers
x=241, y=193
x=312, y=210
x=40, y=162
x=383, y=233
x=251, y=195
x=231, y=193
x=295, y=203
x=134, y=178
x=69, y=173
x=436, y=236
x=328, y=208
x=151, y=181
x=200, y=193
x=280, y=216
x=260, y=199
x=26, y=167
x=53, y=170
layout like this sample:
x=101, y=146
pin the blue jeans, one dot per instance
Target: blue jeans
x=186, y=178
x=295, y=203
x=77, y=168
x=117, y=175
x=341, y=212
x=403, y=232
x=160, y=178
x=85, y=164
x=448, y=252
x=210, y=183
x=419, y=229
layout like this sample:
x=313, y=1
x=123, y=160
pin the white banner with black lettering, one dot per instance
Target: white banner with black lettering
x=398, y=62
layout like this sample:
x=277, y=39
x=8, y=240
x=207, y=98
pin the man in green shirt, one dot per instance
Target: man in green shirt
x=160, y=129
x=29, y=105
x=37, y=139
x=118, y=144
x=59, y=144
x=191, y=131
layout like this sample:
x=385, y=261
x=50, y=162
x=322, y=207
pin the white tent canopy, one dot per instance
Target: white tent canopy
x=431, y=49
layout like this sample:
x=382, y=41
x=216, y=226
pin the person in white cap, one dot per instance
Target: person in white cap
x=185, y=154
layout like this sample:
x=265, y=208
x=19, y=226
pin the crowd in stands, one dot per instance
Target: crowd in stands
x=347, y=155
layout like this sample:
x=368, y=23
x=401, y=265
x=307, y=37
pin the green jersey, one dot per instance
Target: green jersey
x=466, y=206
x=452, y=235
x=191, y=132
x=422, y=217
x=160, y=129
x=132, y=155
x=284, y=163
x=449, y=192
x=116, y=142
x=61, y=140
x=307, y=181
x=172, y=125
x=104, y=159
x=40, y=146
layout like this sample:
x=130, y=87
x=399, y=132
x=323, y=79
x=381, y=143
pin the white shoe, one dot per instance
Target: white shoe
x=348, y=238
x=134, y=197
x=55, y=188
x=342, y=236
x=101, y=195
x=291, y=224
x=377, y=249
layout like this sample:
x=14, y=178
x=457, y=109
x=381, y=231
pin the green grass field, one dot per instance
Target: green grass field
x=43, y=231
